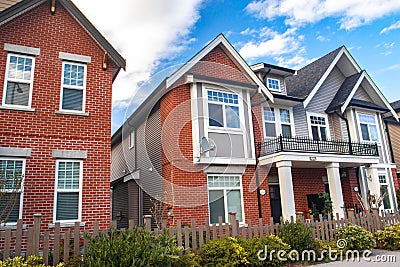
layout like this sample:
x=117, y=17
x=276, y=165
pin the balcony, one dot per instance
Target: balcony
x=307, y=145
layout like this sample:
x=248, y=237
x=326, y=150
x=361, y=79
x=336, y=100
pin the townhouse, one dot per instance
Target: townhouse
x=57, y=71
x=220, y=136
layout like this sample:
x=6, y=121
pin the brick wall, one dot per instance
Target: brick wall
x=44, y=130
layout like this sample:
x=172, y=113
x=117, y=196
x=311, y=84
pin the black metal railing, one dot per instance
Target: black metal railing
x=307, y=145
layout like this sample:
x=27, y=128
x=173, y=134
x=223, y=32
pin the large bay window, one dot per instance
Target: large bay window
x=368, y=128
x=277, y=121
x=224, y=196
x=223, y=109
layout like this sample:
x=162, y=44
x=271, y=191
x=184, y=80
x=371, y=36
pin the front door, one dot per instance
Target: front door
x=275, y=202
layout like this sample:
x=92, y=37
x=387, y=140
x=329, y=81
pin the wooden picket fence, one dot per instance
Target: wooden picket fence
x=58, y=245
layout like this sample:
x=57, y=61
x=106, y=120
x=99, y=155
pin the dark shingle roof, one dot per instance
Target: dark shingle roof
x=343, y=92
x=396, y=105
x=301, y=85
x=365, y=104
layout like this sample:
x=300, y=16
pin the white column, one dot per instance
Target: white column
x=286, y=189
x=373, y=182
x=335, y=188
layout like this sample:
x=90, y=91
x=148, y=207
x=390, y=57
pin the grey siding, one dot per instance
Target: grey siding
x=118, y=163
x=120, y=205
x=345, y=133
x=361, y=94
x=300, y=120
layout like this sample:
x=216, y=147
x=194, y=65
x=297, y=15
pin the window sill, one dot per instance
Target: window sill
x=66, y=225
x=12, y=226
x=64, y=112
x=28, y=109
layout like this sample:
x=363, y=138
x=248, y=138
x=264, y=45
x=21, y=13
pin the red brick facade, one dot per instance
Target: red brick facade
x=43, y=130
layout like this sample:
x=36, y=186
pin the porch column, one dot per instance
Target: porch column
x=335, y=188
x=373, y=182
x=286, y=189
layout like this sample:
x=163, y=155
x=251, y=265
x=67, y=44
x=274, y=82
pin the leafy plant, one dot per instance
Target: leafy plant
x=188, y=260
x=297, y=235
x=223, y=252
x=271, y=242
x=32, y=261
x=328, y=208
x=357, y=238
x=134, y=247
x=389, y=237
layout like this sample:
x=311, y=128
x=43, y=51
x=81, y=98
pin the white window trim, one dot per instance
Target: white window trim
x=278, y=123
x=378, y=129
x=68, y=190
x=132, y=138
x=225, y=196
x=20, y=191
x=328, y=132
x=392, y=207
x=83, y=88
x=6, y=79
x=273, y=89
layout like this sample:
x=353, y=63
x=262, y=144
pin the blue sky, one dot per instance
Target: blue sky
x=156, y=34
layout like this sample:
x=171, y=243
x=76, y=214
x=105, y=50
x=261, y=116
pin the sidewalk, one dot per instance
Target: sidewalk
x=378, y=258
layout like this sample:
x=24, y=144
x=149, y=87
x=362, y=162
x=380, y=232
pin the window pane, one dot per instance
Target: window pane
x=20, y=68
x=382, y=179
x=285, y=115
x=222, y=97
x=364, y=132
x=366, y=118
x=215, y=115
x=232, y=117
x=386, y=200
x=68, y=175
x=10, y=174
x=9, y=206
x=235, y=203
x=374, y=132
x=269, y=114
x=270, y=129
x=67, y=206
x=216, y=201
x=314, y=130
x=72, y=99
x=17, y=94
x=273, y=84
x=317, y=120
x=323, y=133
x=286, y=131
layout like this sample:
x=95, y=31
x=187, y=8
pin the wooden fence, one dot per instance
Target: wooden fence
x=57, y=245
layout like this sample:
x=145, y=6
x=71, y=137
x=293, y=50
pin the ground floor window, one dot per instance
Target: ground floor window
x=384, y=187
x=224, y=196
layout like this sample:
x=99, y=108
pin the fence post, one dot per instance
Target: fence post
x=147, y=222
x=299, y=216
x=350, y=215
x=232, y=219
x=36, y=237
x=375, y=213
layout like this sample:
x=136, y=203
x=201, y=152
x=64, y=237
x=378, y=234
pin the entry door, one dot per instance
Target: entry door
x=275, y=201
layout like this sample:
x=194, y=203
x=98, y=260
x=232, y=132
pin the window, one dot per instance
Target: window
x=11, y=187
x=73, y=87
x=384, y=185
x=273, y=84
x=68, y=192
x=369, y=131
x=18, y=81
x=132, y=138
x=277, y=124
x=225, y=195
x=223, y=109
x=319, y=130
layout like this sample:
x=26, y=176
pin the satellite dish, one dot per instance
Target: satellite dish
x=205, y=145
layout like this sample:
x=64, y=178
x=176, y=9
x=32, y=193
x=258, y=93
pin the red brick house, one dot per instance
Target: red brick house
x=219, y=136
x=56, y=72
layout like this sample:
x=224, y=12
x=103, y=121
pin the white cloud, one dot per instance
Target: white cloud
x=394, y=26
x=351, y=14
x=390, y=68
x=144, y=32
x=322, y=38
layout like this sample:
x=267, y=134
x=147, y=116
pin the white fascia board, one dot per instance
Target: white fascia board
x=353, y=91
x=219, y=40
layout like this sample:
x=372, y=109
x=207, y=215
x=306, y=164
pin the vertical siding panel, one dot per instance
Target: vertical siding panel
x=300, y=120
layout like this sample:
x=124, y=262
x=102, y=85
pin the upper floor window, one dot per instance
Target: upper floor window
x=273, y=84
x=223, y=109
x=73, y=87
x=319, y=127
x=11, y=185
x=369, y=131
x=18, y=80
x=278, y=123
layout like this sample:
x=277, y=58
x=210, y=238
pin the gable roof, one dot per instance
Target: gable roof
x=13, y=8
x=396, y=105
x=220, y=40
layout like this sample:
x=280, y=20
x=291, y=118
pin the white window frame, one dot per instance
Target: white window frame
x=388, y=189
x=132, y=138
x=274, y=89
x=278, y=122
x=83, y=88
x=328, y=132
x=56, y=190
x=21, y=190
x=225, y=190
x=368, y=124
x=30, y=82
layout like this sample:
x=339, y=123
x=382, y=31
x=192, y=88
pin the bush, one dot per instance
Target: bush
x=389, y=237
x=357, y=238
x=223, y=252
x=134, y=247
x=188, y=260
x=297, y=235
x=271, y=242
x=32, y=261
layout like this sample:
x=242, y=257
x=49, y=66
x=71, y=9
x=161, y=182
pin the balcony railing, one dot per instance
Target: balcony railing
x=307, y=145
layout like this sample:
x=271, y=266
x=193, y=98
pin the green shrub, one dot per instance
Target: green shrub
x=135, y=247
x=223, y=252
x=389, y=237
x=357, y=238
x=271, y=242
x=32, y=261
x=297, y=235
x=188, y=260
